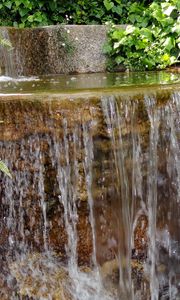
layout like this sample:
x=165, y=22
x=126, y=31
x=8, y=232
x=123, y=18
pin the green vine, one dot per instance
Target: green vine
x=151, y=41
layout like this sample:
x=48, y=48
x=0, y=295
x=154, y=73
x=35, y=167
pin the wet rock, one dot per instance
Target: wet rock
x=40, y=276
x=141, y=236
x=58, y=49
x=110, y=276
x=48, y=143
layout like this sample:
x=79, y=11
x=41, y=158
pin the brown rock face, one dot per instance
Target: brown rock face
x=81, y=169
x=61, y=49
x=43, y=279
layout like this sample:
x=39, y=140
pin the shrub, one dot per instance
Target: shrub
x=152, y=41
x=31, y=13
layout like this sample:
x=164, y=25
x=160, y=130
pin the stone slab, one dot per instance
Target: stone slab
x=61, y=49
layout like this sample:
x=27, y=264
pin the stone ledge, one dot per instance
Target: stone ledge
x=60, y=49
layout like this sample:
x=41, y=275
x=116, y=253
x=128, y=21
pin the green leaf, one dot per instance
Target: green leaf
x=8, y=4
x=108, y=4
x=22, y=25
x=118, y=34
x=167, y=22
x=18, y=2
x=5, y=169
x=38, y=18
x=169, y=43
x=23, y=11
x=117, y=9
x=31, y=18
x=118, y=1
x=146, y=33
x=119, y=59
x=132, y=18
x=135, y=8
x=107, y=49
x=52, y=5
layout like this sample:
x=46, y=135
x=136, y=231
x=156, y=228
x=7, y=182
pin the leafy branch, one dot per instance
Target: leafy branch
x=151, y=41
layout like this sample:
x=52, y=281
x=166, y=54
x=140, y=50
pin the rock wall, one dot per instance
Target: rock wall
x=61, y=49
x=81, y=158
x=37, y=131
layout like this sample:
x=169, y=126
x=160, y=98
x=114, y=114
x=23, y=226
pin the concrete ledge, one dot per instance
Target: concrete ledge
x=62, y=49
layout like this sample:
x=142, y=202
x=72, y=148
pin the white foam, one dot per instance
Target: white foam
x=18, y=79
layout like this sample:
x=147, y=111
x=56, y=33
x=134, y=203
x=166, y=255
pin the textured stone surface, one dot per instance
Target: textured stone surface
x=36, y=121
x=57, y=49
x=32, y=129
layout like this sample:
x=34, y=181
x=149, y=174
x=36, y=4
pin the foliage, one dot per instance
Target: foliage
x=31, y=13
x=152, y=41
x=119, y=9
x=23, y=13
x=4, y=169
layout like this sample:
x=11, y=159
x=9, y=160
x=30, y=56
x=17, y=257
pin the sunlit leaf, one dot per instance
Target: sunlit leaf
x=116, y=45
x=166, y=57
x=169, y=43
x=130, y=29
x=5, y=43
x=176, y=28
x=118, y=34
x=167, y=8
x=4, y=169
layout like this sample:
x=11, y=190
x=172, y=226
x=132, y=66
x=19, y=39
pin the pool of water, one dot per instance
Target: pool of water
x=76, y=83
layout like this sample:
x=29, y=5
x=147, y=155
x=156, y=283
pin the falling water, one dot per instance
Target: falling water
x=7, y=55
x=115, y=122
x=140, y=193
x=153, y=115
x=66, y=155
x=82, y=180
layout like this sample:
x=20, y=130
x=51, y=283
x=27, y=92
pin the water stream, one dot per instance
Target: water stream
x=7, y=55
x=92, y=209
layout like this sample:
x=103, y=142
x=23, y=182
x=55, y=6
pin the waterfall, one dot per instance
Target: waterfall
x=152, y=179
x=142, y=189
x=94, y=195
x=115, y=123
x=7, y=61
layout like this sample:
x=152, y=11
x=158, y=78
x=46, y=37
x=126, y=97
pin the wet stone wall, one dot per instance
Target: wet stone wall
x=62, y=49
x=93, y=177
